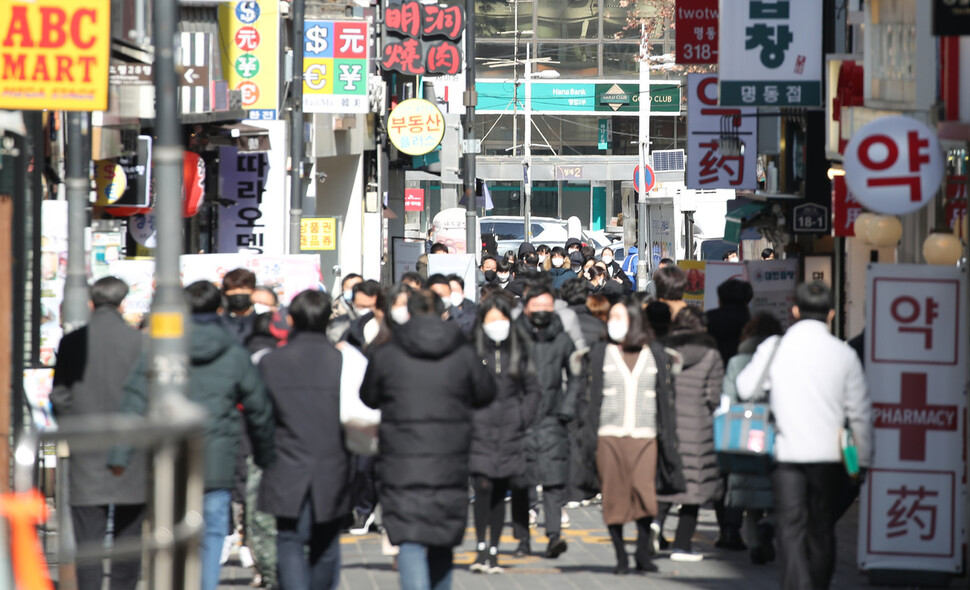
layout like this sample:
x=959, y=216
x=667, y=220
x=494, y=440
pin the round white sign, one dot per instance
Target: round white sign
x=894, y=165
x=142, y=229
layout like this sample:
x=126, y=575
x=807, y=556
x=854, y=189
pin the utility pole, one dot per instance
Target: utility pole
x=643, y=225
x=471, y=148
x=296, y=127
x=527, y=142
x=167, y=365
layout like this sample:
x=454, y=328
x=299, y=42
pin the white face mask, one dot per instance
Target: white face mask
x=400, y=314
x=503, y=277
x=371, y=330
x=542, y=258
x=497, y=331
x=557, y=262
x=457, y=299
x=259, y=308
x=607, y=260
x=617, y=329
x=446, y=301
x=348, y=296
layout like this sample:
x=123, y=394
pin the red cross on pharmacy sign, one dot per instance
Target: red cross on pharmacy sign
x=913, y=417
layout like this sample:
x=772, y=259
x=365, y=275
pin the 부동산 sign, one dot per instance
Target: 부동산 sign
x=770, y=53
x=54, y=55
x=575, y=97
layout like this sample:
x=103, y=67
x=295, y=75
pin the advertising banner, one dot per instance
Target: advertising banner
x=694, y=292
x=715, y=274
x=463, y=265
x=335, y=66
x=708, y=165
x=55, y=55
x=53, y=275
x=318, y=233
x=696, y=31
x=770, y=53
x=773, y=283
x=249, y=36
x=256, y=220
x=286, y=275
x=913, y=502
x=577, y=97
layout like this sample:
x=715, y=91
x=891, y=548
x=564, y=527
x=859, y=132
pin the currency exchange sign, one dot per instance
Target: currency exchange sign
x=335, y=66
x=249, y=34
x=770, y=53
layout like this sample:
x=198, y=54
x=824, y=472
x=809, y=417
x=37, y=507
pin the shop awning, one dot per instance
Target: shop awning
x=734, y=220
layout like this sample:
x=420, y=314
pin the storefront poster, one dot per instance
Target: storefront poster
x=773, y=283
x=140, y=276
x=286, y=275
x=53, y=274
x=406, y=257
x=463, y=265
x=717, y=273
x=695, y=271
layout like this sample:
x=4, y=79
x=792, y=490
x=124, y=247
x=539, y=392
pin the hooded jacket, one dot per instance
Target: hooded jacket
x=499, y=435
x=221, y=376
x=561, y=275
x=550, y=349
x=698, y=388
x=426, y=381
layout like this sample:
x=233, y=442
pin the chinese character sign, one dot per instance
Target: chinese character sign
x=415, y=127
x=894, y=165
x=318, y=233
x=55, y=55
x=249, y=36
x=423, y=39
x=915, y=492
x=335, y=66
x=696, y=31
x=707, y=166
x=770, y=53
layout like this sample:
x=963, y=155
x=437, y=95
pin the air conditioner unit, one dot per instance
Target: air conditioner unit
x=668, y=160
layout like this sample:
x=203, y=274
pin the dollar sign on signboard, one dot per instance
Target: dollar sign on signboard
x=316, y=39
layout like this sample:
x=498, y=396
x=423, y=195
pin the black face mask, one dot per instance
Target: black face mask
x=541, y=319
x=489, y=275
x=239, y=302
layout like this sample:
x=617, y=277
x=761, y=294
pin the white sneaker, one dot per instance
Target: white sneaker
x=246, y=557
x=228, y=544
x=564, y=519
x=686, y=556
x=533, y=518
x=655, y=537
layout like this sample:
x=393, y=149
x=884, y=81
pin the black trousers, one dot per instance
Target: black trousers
x=90, y=527
x=806, y=503
x=553, y=500
x=489, y=509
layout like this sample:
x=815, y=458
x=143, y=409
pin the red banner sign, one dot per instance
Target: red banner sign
x=423, y=39
x=697, y=31
x=414, y=199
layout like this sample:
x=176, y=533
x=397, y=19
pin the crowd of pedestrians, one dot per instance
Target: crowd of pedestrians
x=561, y=384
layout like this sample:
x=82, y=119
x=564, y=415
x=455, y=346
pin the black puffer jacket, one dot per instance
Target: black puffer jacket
x=499, y=433
x=426, y=382
x=670, y=476
x=551, y=349
x=594, y=330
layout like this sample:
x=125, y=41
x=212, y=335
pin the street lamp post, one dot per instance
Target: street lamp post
x=643, y=225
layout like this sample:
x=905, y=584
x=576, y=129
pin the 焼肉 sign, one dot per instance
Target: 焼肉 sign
x=54, y=55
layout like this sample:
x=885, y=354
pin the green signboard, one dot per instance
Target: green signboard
x=568, y=97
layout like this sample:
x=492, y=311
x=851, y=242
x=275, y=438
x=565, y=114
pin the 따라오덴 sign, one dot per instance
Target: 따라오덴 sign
x=249, y=35
x=696, y=31
x=415, y=127
x=54, y=55
x=894, y=165
x=335, y=66
x=770, y=53
x=709, y=164
x=914, y=498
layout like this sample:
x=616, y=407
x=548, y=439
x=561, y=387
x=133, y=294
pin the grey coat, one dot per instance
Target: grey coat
x=698, y=388
x=744, y=491
x=93, y=363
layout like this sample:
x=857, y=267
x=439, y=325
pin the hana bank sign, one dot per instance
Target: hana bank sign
x=54, y=55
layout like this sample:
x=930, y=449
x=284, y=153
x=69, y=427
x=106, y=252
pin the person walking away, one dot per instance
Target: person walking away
x=426, y=381
x=724, y=324
x=93, y=363
x=670, y=282
x=498, y=450
x=629, y=431
x=221, y=377
x=550, y=348
x=751, y=493
x=306, y=488
x=810, y=402
x=698, y=387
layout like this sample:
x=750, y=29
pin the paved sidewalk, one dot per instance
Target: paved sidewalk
x=588, y=564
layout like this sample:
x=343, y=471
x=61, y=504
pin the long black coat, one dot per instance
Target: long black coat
x=551, y=349
x=92, y=365
x=594, y=329
x=426, y=382
x=670, y=475
x=499, y=429
x=303, y=379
